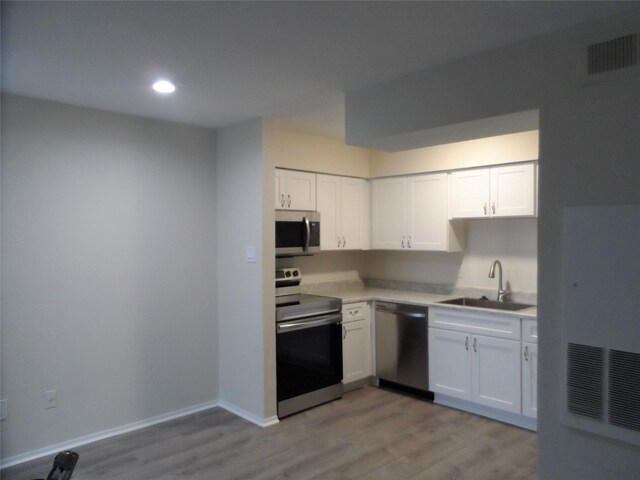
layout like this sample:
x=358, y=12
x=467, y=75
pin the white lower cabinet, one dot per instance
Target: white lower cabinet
x=530, y=379
x=477, y=368
x=449, y=363
x=357, y=362
x=495, y=373
x=485, y=363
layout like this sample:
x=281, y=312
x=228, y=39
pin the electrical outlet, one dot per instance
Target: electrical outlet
x=50, y=399
x=3, y=409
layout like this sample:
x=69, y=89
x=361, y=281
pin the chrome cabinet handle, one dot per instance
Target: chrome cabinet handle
x=526, y=353
x=344, y=332
x=475, y=344
x=485, y=208
x=466, y=343
x=338, y=242
x=344, y=242
x=402, y=242
x=493, y=207
x=409, y=242
x=282, y=200
x=288, y=200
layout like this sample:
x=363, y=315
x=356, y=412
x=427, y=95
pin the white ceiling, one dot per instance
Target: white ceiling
x=233, y=61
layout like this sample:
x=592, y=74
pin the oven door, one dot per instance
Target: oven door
x=309, y=355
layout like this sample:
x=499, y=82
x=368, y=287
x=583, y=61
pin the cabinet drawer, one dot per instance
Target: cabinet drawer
x=529, y=330
x=354, y=311
x=489, y=324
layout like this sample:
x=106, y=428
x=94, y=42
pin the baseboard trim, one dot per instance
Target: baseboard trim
x=112, y=432
x=505, y=417
x=240, y=412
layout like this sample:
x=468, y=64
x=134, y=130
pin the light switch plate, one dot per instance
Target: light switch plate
x=251, y=253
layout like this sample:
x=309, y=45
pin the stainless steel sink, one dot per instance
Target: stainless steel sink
x=486, y=303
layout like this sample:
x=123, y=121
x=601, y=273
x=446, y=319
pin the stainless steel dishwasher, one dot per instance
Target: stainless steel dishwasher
x=401, y=345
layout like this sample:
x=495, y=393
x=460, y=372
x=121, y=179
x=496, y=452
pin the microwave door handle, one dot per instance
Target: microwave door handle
x=307, y=229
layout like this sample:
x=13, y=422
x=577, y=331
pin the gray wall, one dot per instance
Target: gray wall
x=108, y=275
x=590, y=146
x=247, y=324
x=589, y=150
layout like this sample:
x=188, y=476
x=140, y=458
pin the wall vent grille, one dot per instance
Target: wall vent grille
x=624, y=389
x=614, y=54
x=585, y=371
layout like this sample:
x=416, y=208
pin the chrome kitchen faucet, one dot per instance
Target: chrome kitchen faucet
x=502, y=293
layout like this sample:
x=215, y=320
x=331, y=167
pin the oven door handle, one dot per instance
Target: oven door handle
x=293, y=326
x=288, y=318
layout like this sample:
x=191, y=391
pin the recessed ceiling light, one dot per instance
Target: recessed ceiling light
x=164, y=86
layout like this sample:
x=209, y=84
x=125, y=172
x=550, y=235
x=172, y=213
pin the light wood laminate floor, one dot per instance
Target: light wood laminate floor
x=370, y=434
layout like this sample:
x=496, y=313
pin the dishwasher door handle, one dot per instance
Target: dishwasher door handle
x=400, y=313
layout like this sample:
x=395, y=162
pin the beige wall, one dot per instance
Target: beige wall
x=299, y=150
x=516, y=147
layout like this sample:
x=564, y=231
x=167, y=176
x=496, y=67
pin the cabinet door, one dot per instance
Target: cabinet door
x=351, y=212
x=389, y=213
x=450, y=363
x=328, y=203
x=301, y=190
x=280, y=189
x=530, y=379
x=356, y=350
x=495, y=375
x=513, y=191
x=470, y=193
x=428, y=216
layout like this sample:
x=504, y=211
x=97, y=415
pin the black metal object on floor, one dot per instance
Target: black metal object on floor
x=63, y=465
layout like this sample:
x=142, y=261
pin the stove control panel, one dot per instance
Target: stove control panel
x=287, y=277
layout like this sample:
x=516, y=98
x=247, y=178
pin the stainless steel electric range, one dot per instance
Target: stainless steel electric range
x=308, y=345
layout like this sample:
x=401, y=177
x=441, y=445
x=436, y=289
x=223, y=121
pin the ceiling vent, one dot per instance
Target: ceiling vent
x=612, y=58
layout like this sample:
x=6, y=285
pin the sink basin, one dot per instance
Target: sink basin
x=486, y=303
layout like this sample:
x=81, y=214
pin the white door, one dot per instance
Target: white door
x=356, y=350
x=351, y=212
x=280, y=189
x=450, y=363
x=389, y=213
x=469, y=196
x=530, y=379
x=495, y=374
x=513, y=190
x=301, y=190
x=328, y=203
x=428, y=216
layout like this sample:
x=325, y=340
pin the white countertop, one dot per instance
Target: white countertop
x=353, y=293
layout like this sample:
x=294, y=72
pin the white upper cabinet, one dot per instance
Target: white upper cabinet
x=389, y=207
x=470, y=193
x=411, y=213
x=295, y=190
x=427, y=216
x=508, y=191
x=343, y=203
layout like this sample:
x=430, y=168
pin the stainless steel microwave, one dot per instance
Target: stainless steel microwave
x=297, y=233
